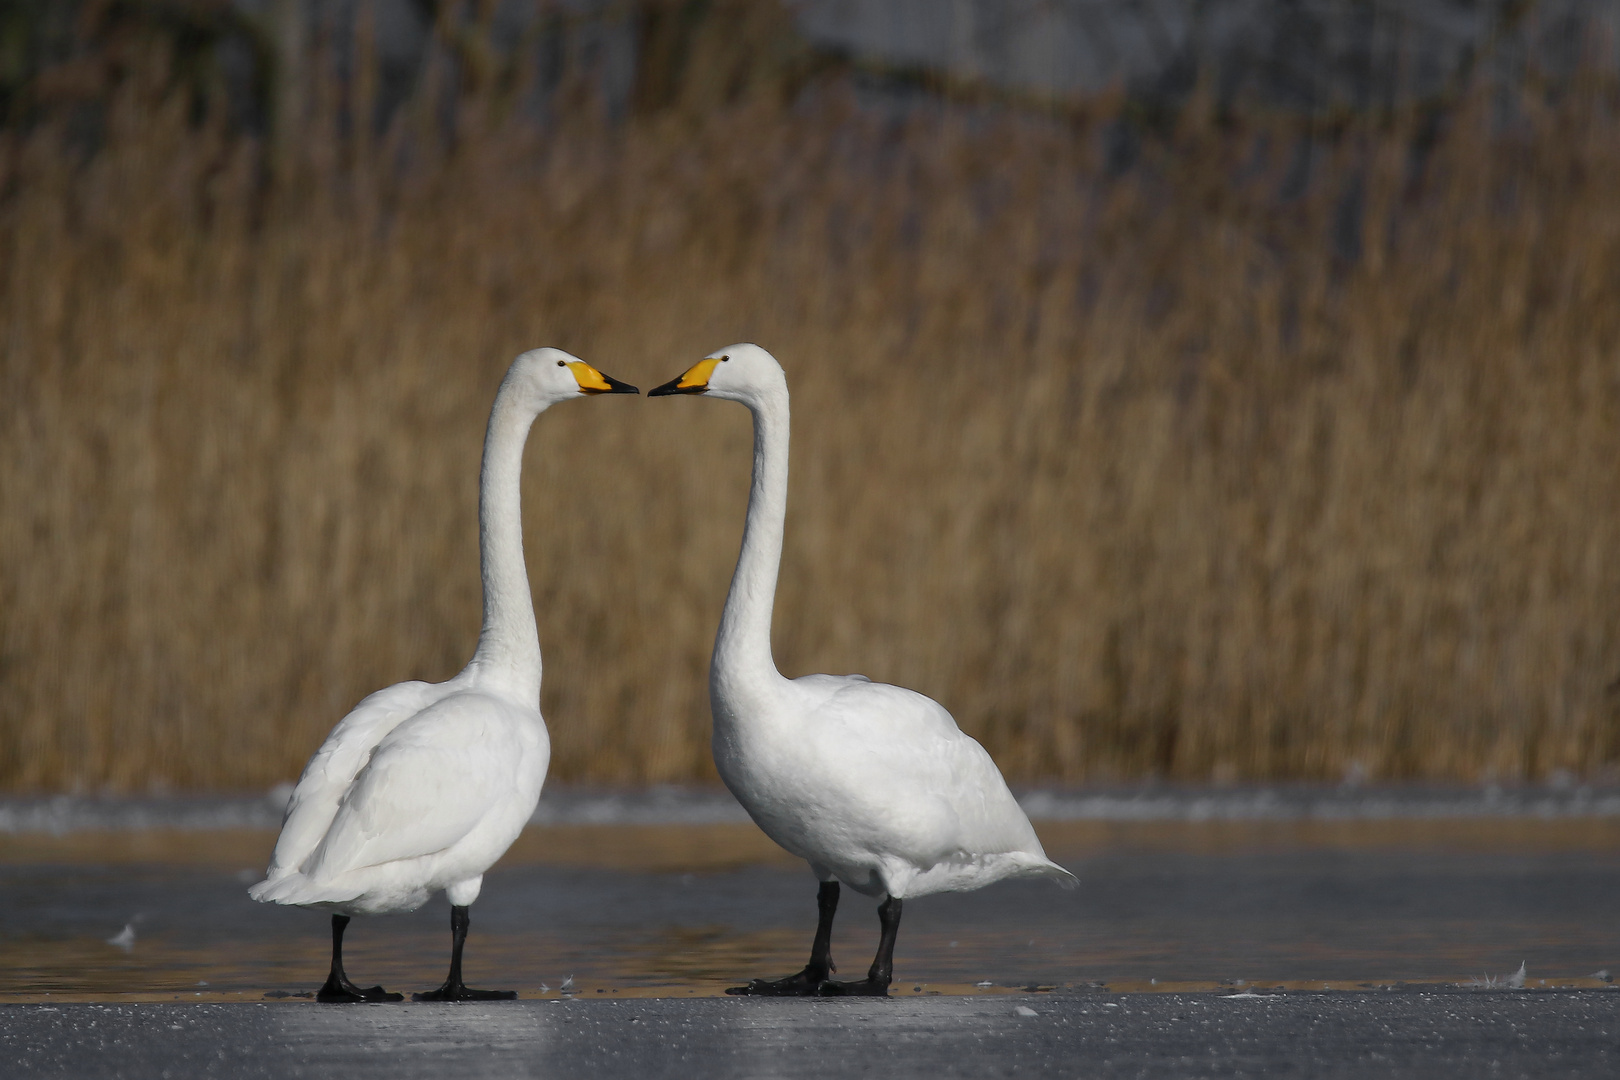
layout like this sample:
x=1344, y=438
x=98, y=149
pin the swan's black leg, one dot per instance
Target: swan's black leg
x=454, y=989
x=876, y=983
x=338, y=988
x=821, y=962
x=807, y=982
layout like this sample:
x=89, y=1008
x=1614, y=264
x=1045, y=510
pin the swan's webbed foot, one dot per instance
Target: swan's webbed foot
x=459, y=992
x=338, y=990
x=807, y=983
x=454, y=989
x=857, y=988
x=876, y=983
x=343, y=991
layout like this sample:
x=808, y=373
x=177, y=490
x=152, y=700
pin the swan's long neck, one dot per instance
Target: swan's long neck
x=508, y=645
x=742, y=648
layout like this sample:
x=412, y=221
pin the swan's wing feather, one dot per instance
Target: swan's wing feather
x=428, y=784
x=883, y=714
x=923, y=775
x=333, y=767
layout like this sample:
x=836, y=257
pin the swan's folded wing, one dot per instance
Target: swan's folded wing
x=927, y=778
x=428, y=785
x=990, y=817
x=330, y=771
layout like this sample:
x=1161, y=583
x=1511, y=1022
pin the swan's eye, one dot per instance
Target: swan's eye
x=723, y=359
x=562, y=363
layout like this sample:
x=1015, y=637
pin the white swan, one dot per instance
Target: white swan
x=873, y=785
x=423, y=786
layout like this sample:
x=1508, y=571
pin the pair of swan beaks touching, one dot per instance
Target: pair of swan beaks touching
x=423, y=786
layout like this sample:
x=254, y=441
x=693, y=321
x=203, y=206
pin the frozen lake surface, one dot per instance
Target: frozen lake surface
x=1415, y=1034
x=1213, y=934
x=1303, y=901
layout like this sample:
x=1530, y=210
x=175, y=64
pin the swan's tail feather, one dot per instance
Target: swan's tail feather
x=906, y=880
x=297, y=890
x=1065, y=880
x=262, y=891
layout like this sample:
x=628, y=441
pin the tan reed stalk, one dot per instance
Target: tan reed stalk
x=1150, y=474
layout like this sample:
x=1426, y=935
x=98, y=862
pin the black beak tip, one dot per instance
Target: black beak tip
x=674, y=387
x=617, y=387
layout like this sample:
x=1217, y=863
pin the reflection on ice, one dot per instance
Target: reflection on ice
x=642, y=909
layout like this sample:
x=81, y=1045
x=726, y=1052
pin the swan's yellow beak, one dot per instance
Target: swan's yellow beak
x=592, y=381
x=694, y=381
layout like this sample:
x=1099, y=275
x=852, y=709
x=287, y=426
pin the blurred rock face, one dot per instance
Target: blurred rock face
x=648, y=55
x=1305, y=54
x=1300, y=55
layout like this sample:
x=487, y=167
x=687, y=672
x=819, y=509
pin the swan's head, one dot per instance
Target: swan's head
x=738, y=372
x=548, y=376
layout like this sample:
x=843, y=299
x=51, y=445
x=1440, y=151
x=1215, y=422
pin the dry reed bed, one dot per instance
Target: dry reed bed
x=1158, y=474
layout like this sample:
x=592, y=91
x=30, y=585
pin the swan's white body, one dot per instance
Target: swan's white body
x=872, y=784
x=424, y=785
x=421, y=788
